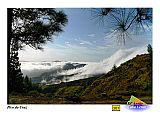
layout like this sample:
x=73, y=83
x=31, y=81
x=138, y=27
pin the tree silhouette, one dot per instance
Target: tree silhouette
x=27, y=84
x=114, y=67
x=149, y=49
x=32, y=27
x=123, y=22
x=15, y=78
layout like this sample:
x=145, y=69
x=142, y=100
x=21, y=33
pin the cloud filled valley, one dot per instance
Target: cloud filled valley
x=56, y=71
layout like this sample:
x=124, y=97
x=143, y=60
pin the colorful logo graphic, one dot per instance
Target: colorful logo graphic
x=136, y=104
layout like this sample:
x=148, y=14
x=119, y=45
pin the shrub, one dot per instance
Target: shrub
x=34, y=93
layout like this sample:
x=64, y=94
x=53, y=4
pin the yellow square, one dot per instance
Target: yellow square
x=115, y=107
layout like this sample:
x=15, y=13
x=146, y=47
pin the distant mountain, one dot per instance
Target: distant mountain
x=53, y=75
x=57, y=61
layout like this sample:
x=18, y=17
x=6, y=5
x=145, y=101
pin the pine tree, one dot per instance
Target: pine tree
x=27, y=84
x=15, y=76
x=114, y=67
x=123, y=21
x=149, y=49
x=32, y=27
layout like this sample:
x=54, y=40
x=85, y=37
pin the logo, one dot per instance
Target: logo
x=136, y=104
x=115, y=107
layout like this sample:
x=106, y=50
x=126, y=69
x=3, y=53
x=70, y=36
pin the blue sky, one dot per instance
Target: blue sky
x=83, y=39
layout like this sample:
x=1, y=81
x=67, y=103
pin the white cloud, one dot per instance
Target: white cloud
x=48, y=54
x=67, y=42
x=92, y=35
x=62, y=52
x=85, y=42
x=81, y=43
x=92, y=68
x=103, y=47
x=60, y=46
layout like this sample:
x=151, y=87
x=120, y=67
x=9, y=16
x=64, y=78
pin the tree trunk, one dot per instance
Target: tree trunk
x=9, y=27
x=9, y=37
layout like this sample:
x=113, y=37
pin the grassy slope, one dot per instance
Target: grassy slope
x=131, y=78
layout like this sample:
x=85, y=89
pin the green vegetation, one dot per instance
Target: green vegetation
x=69, y=91
x=133, y=77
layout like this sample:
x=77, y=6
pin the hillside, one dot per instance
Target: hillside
x=133, y=77
x=130, y=78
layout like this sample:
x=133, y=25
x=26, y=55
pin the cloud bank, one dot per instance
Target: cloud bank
x=78, y=70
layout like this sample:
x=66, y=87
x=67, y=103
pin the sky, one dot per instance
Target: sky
x=84, y=40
